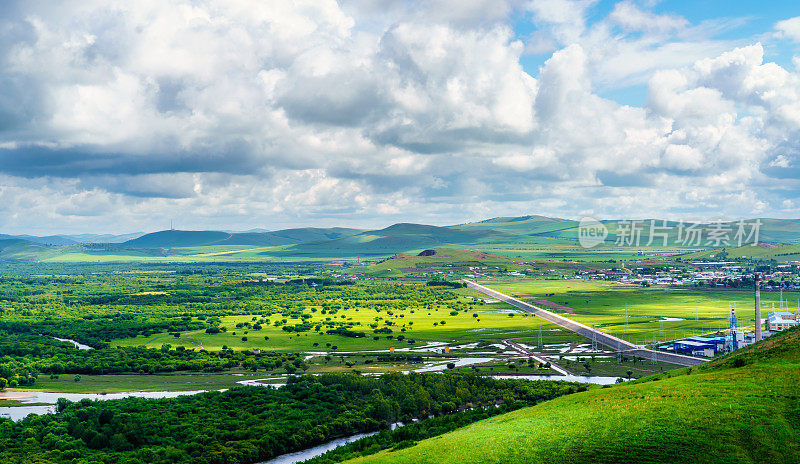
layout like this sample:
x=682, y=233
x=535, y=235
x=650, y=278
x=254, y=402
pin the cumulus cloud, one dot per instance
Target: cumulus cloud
x=362, y=112
x=789, y=29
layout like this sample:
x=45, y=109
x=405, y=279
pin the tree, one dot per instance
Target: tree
x=451, y=365
x=118, y=442
x=629, y=373
x=77, y=378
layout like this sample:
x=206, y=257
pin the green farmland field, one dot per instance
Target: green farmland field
x=602, y=303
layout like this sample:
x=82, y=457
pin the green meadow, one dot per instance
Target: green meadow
x=159, y=382
x=418, y=326
x=602, y=304
x=744, y=408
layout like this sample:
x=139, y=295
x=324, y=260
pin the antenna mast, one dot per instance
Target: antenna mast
x=758, y=305
x=734, y=340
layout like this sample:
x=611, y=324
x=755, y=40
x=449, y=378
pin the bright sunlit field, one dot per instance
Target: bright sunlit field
x=660, y=312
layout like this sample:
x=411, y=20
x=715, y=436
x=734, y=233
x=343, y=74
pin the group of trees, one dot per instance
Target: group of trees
x=26, y=356
x=249, y=424
x=96, y=309
x=98, y=331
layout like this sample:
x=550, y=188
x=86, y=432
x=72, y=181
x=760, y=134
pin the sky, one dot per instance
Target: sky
x=120, y=116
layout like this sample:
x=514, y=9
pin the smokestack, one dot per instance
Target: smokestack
x=758, y=305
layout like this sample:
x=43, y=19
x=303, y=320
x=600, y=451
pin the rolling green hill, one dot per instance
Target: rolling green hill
x=440, y=258
x=177, y=238
x=771, y=230
x=23, y=250
x=523, y=225
x=744, y=408
x=196, y=238
x=397, y=238
x=524, y=236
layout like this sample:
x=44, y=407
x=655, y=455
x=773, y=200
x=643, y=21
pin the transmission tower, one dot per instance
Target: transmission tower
x=541, y=346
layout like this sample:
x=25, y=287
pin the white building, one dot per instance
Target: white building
x=780, y=320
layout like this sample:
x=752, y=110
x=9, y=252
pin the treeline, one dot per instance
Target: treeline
x=28, y=356
x=250, y=424
x=445, y=283
x=97, y=331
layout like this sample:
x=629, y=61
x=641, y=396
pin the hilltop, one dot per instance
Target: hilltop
x=742, y=408
x=524, y=236
x=23, y=250
x=438, y=258
x=191, y=238
x=398, y=238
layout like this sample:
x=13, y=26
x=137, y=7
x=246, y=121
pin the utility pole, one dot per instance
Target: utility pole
x=758, y=305
x=626, y=317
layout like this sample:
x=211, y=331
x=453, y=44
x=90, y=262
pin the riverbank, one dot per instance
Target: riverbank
x=135, y=382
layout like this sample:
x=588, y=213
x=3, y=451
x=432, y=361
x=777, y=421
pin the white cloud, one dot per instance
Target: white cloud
x=285, y=112
x=789, y=29
x=780, y=161
x=628, y=16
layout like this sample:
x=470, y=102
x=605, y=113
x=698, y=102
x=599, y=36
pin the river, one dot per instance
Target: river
x=35, y=397
x=597, y=380
x=77, y=345
x=306, y=454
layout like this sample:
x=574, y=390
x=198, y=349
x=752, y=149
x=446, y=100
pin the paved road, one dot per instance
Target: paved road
x=591, y=333
x=516, y=346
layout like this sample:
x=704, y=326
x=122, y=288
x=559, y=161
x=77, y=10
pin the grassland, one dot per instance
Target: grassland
x=443, y=258
x=744, y=411
x=123, y=383
x=602, y=304
x=762, y=252
x=422, y=325
x=653, y=312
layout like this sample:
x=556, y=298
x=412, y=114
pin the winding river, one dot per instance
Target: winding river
x=79, y=346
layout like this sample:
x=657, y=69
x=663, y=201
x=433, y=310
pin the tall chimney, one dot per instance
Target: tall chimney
x=758, y=305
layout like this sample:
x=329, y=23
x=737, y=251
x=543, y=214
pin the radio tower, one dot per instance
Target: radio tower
x=734, y=342
x=758, y=305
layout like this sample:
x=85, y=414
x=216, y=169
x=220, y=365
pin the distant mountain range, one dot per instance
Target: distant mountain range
x=397, y=238
x=190, y=238
x=73, y=239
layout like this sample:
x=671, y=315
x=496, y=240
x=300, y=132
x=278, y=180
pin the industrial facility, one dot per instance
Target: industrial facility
x=713, y=345
x=781, y=320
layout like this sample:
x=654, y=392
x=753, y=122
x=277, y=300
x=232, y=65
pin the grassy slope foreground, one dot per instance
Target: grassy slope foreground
x=724, y=412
